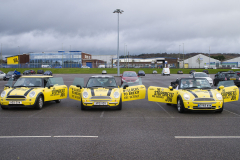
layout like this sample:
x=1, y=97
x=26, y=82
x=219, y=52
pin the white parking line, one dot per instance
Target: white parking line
x=48, y=136
x=102, y=114
x=205, y=137
x=164, y=110
x=231, y=112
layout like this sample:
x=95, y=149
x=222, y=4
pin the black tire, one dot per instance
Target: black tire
x=82, y=106
x=39, y=103
x=214, y=83
x=58, y=101
x=220, y=110
x=4, y=108
x=180, y=105
x=119, y=107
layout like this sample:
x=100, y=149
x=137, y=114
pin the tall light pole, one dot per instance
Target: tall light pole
x=118, y=11
x=183, y=55
x=209, y=56
x=179, y=57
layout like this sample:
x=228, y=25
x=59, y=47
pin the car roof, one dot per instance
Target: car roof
x=129, y=71
x=40, y=76
x=101, y=76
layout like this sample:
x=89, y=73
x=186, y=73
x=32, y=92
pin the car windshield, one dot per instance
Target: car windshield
x=201, y=75
x=193, y=83
x=225, y=84
x=101, y=82
x=231, y=75
x=10, y=73
x=129, y=74
x=28, y=82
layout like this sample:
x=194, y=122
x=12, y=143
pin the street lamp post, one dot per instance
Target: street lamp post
x=209, y=57
x=179, y=57
x=183, y=55
x=118, y=11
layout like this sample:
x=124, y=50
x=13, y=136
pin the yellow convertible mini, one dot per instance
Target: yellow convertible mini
x=103, y=92
x=195, y=94
x=33, y=91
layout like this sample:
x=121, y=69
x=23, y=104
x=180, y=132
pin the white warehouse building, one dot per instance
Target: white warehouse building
x=199, y=61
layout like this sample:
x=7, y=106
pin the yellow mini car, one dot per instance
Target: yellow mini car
x=33, y=91
x=103, y=92
x=195, y=94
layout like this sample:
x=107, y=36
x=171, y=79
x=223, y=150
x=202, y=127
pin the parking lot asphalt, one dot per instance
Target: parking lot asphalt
x=141, y=130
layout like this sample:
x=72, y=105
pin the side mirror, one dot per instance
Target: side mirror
x=51, y=85
x=170, y=87
x=220, y=87
x=125, y=86
x=79, y=86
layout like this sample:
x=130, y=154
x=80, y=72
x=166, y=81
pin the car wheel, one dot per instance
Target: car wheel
x=119, y=107
x=180, y=105
x=82, y=106
x=39, y=103
x=58, y=101
x=4, y=108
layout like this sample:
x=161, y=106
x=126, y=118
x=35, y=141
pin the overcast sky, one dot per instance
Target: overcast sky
x=146, y=26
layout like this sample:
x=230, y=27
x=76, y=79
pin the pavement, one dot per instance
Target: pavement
x=141, y=130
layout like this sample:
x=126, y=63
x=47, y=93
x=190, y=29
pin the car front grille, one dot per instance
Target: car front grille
x=100, y=98
x=204, y=99
x=15, y=96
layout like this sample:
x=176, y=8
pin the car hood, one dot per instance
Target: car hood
x=101, y=91
x=130, y=78
x=201, y=93
x=21, y=91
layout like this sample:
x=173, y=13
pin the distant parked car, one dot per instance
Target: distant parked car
x=40, y=72
x=141, y=73
x=2, y=74
x=154, y=72
x=32, y=71
x=226, y=76
x=12, y=74
x=26, y=72
x=180, y=72
x=85, y=67
x=230, y=71
x=104, y=72
x=192, y=71
x=49, y=73
x=238, y=73
x=206, y=71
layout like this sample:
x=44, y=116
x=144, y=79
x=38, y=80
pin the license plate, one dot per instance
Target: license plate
x=232, y=78
x=204, y=105
x=100, y=103
x=15, y=102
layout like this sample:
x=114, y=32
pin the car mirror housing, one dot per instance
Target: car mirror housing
x=79, y=86
x=220, y=87
x=170, y=87
x=125, y=86
x=51, y=85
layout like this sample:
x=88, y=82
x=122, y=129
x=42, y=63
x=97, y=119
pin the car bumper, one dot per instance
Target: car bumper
x=28, y=103
x=110, y=104
x=216, y=105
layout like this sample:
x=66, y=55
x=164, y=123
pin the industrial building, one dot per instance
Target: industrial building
x=200, y=61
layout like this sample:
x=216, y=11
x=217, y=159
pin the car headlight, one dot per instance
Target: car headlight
x=85, y=94
x=186, y=96
x=219, y=96
x=3, y=93
x=32, y=94
x=116, y=94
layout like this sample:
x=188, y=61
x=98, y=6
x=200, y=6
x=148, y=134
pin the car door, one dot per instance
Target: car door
x=133, y=91
x=161, y=94
x=76, y=89
x=55, y=89
x=230, y=92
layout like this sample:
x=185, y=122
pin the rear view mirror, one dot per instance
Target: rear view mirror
x=79, y=86
x=125, y=86
x=51, y=85
x=220, y=87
